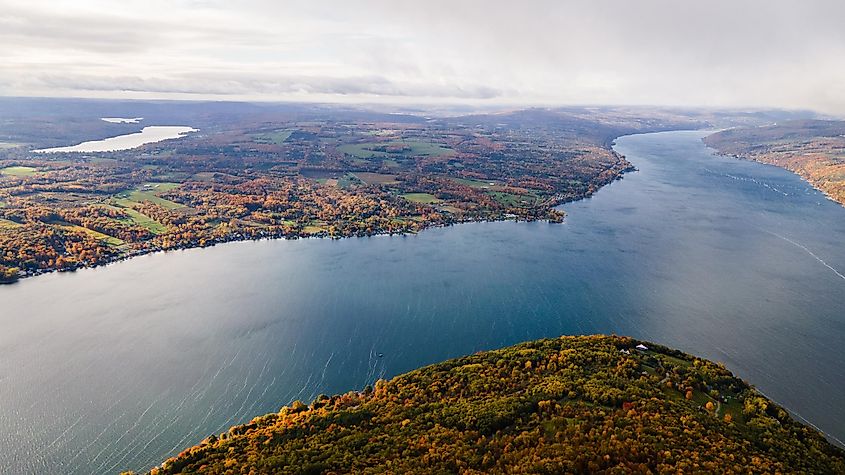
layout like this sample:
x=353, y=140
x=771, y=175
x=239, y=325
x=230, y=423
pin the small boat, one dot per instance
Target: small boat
x=380, y=354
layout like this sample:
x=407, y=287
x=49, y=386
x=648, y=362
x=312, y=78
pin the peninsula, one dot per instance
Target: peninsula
x=585, y=404
x=282, y=171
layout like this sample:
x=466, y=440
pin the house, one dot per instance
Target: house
x=642, y=347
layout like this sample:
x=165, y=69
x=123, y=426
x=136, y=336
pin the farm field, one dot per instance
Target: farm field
x=135, y=217
x=376, y=178
x=425, y=198
x=394, y=149
x=148, y=192
x=18, y=171
x=355, y=173
x=276, y=137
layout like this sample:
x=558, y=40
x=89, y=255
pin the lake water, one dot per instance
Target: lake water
x=122, y=120
x=151, y=134
x=118, y=367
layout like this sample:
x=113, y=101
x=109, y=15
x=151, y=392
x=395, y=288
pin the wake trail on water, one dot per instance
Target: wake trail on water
x=750, y=180
x=799, y=245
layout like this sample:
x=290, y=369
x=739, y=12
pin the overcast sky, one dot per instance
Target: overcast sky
x=788, y=54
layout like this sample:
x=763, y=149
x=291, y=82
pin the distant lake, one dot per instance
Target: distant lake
x=122, y=366
x=151, y=134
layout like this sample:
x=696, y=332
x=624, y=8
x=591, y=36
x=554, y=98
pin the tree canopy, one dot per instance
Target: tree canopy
x=573, y=404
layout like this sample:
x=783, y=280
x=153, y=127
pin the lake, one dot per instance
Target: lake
x=118, y=367
x=151, y=134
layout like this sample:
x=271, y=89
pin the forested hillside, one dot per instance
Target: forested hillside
x=813, y=149
x=573, y=404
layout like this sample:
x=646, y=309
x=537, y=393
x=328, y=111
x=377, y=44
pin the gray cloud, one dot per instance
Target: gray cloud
x=230, y=85
x=717, y=53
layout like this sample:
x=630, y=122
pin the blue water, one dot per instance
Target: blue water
x=119, y=367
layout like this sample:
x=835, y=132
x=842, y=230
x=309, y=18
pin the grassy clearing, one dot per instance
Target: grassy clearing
x=277, y=137
x=376, y=178
x=734, y=407
x=348, y=181
x=383, y=132
x=110, y=240
x=203, y=176
x=314, y=227
x=5, y=223
x=148, y=192
x=395, y=149
x=163, y=186
x=473, y=183
x=425, y=198
x=513, y=200
x=391, y=164
x=676, y=361
x=140, y=219
x=18, y=171
x=208, y=176
x=102, y=160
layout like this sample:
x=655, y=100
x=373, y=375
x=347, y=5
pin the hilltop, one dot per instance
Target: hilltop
x=572, y=404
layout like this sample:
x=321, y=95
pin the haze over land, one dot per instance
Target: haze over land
x=719, y=54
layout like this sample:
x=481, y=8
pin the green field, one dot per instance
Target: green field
x=314, y=227
x=18, y=171
x=7, y=145
x=391, y=164
x=425, y=198
x=5, y=223
x=140, y=219
x=148, y=192
x=348, y=181
x=102, y=160
x=473, y=183
x=276, y=137
x=513, y=200
x=110, y=240
x=410, y=149
x=376, y=178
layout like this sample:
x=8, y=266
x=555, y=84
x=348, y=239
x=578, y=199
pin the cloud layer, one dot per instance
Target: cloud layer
x=718, y=53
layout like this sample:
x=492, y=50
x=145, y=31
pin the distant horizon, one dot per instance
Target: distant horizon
x=432, y=107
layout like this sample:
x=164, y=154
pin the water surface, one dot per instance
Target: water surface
x=119, y=367
x=151, y=134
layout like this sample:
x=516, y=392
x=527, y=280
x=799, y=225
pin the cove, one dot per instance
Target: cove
x=119, y=367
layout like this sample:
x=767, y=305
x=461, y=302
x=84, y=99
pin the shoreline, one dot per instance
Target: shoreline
x=760, y=160
x=794, y=172
x=321, y=235
x=553, y=204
